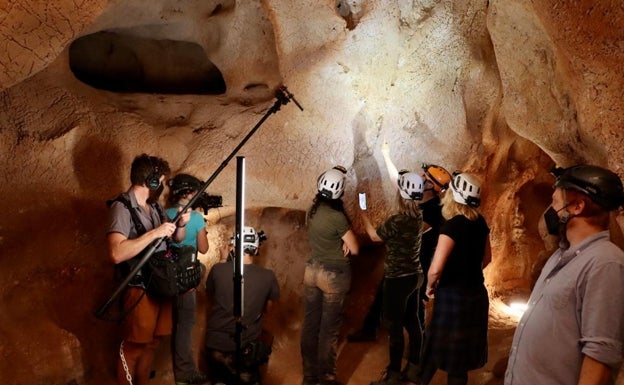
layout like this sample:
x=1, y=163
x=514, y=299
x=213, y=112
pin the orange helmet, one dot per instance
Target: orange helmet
x=438, y=176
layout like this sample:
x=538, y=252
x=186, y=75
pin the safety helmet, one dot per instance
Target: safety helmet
x=602, y=186
x=183, y=184
x=331, y=183
x=439, y=177
x=411, y=185
x=466, y=189
x=251, y=240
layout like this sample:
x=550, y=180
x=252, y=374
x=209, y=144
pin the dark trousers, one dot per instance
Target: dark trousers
x=181, y=339
x=373, y=317
x=400, y=308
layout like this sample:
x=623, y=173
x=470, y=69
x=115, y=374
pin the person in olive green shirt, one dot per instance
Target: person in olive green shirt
x=327, y=278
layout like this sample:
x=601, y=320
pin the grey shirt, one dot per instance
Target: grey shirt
x=575, y=309
x=120, y=220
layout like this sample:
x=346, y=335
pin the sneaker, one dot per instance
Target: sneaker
x=195, y=378
x=362, y=336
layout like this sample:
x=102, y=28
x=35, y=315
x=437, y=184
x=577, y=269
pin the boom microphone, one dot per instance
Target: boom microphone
x=290, y=96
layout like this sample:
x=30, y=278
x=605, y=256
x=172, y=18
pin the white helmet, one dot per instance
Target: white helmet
x=331, y=183
x=251, y=240
x=411, y=185
x=466, y=189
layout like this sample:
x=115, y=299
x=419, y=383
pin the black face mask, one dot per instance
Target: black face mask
x=557, y=226
x=552, y=221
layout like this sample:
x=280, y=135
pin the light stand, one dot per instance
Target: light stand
x=239, y=287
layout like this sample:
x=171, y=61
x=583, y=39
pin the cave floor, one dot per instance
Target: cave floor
x=358, y=363
x=361, y=363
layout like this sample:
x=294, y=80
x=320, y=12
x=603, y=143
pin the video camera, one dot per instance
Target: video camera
x=207, y=202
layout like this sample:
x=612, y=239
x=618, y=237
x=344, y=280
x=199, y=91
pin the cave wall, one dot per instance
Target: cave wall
x=501, y=88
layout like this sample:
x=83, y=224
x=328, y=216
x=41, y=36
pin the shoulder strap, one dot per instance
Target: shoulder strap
x=161, y=212
x=125, y=200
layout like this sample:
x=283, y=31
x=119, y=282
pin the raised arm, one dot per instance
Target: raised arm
x=393, y=173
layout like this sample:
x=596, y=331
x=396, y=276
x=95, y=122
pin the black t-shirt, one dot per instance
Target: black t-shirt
x=260, y=287
x=432, y=215
x=463, y=266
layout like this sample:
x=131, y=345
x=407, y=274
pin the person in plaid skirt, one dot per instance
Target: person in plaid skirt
x=456, y=338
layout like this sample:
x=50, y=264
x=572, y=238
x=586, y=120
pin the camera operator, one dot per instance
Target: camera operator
x=260, y=292
x=182, y=188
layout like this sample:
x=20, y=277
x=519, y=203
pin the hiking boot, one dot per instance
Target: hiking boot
x=195, y=378
x=389, y=378
x=362, y=336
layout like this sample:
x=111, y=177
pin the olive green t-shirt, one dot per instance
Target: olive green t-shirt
x=325, y=230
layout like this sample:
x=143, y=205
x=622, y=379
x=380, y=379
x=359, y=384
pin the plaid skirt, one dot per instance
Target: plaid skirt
x=456, y=338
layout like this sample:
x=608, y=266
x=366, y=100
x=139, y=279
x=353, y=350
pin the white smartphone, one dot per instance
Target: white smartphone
x=362, y=197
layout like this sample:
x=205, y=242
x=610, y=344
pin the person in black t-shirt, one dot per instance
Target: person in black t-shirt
x=456, y=338
x=261, y=292
x=437, y=181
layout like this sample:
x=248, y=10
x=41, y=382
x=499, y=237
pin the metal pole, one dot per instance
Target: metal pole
x=239, y=287
x=240, y=223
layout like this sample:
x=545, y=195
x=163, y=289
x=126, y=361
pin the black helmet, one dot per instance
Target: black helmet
x=602, y=186
x=183, y=184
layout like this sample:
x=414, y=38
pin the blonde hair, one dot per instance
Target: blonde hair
x=450, y=208
x=408, y=207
